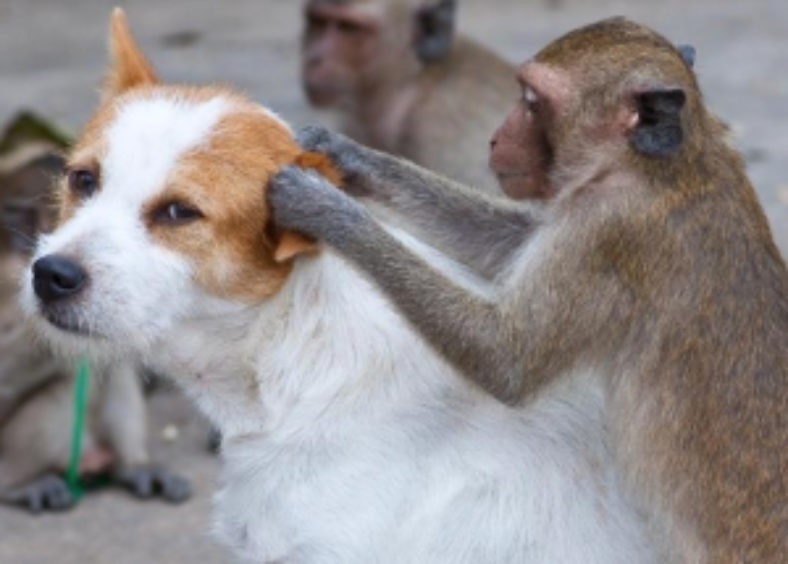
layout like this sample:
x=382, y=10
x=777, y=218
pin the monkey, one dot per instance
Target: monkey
x=404, y=82
x=36, y=387
x=650, y=277
x=20, y=217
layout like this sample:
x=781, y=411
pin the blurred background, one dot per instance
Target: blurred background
x=52, y=58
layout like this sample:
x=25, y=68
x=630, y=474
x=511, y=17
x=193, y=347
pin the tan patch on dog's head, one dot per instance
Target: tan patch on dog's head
x=236, y=250
x=232, y=246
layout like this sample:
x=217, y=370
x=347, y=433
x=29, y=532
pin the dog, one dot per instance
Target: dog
x=346, y=438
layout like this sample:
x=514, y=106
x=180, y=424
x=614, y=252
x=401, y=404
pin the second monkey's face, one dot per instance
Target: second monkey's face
x=339, y=45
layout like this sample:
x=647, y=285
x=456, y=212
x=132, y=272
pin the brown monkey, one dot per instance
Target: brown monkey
x=403, y=83
x=24, y=210
x=650, y=277
x=36, y=387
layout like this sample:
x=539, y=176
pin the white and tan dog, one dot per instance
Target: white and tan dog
x=346, y=438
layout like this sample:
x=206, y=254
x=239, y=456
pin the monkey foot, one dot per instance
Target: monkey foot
x=148, y=481
x=47, y=493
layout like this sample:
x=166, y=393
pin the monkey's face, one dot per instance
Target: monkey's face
x=340, y=45
x=592, y=99
x=26, y=211
x=520, y=151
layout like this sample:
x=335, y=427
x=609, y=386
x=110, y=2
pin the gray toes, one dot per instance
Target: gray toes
x=174, y=488
x=48, y=493
x=147, y=482
x=314, y=138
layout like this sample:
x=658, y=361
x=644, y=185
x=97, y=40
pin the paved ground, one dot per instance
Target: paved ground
x=52, y=54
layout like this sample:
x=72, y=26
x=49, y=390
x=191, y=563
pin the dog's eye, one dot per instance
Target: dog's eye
x=176, y=213
x=82, y=182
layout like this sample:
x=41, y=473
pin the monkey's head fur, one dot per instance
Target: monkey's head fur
x=621, y=86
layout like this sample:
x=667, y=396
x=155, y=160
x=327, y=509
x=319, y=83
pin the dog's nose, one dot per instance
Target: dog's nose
x=55, y=278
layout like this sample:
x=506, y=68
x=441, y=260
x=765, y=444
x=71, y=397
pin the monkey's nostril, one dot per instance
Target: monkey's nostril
x=56, y=277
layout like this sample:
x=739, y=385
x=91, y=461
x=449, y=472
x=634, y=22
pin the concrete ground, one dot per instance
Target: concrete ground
x=52, y=56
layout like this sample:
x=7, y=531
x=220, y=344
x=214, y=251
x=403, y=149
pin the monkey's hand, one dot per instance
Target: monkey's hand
x=308, y=203
x=149, y=481
x=347, y=155
x=47, y=493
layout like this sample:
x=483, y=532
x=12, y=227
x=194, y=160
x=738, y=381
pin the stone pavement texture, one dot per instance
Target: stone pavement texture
x=53, y=54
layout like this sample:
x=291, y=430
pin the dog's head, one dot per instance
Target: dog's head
x=162, y=214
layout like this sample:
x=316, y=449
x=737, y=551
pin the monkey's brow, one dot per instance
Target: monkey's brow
x=521, y=75
x=524, y=83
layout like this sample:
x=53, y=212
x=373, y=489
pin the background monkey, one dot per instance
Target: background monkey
x=651, y=277
x=403, y=83
x=36, y=388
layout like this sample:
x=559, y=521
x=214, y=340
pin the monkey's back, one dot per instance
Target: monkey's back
x=714, y=385
x=465, y=97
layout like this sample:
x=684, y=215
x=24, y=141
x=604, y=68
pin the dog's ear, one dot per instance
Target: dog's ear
x=321, y=164
x=289, y=243
x=128, y=66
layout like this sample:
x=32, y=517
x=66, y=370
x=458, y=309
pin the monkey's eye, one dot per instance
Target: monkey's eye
x=176, y=213
x=316, y=22
x=531, y=98
x=350, y=27
x=82, y=182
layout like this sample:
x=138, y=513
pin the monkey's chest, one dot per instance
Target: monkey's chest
x=24, y=364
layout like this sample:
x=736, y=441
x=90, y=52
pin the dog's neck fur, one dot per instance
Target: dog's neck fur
x=310, y=357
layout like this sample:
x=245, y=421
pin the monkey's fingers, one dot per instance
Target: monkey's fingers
x=49, y=492
x=172, y=487
x=344, y=153
x=150, y=481
x=315, y=138
x=307, y=203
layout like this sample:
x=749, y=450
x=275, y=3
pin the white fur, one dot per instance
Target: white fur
x=363, y=446
x=347, y=439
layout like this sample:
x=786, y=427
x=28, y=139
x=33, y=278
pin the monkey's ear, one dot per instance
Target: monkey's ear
x=434, y=30
x=128, y=66
x=687, y=53
x=657, y=131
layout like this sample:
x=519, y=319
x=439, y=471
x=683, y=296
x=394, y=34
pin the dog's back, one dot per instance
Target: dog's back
x=374, y=450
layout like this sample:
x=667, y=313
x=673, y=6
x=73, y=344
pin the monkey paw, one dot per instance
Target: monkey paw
x=47, y=493
x=148, y=481
x=322, y=140
x=306, y=202
x=346, y=154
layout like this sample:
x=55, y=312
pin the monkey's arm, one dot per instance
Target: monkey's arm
x=468, y=329
x=490, y=231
